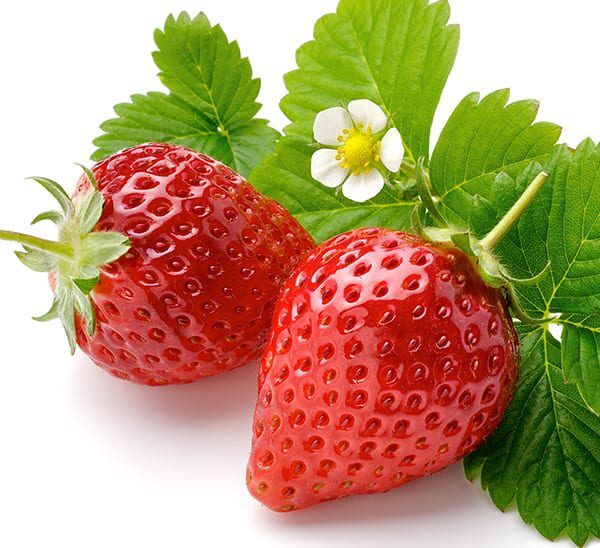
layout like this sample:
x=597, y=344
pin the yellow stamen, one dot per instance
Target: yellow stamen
x=360, y=150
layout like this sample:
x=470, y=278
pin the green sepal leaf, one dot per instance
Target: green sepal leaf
x=74, y=260
x=85, y=308
x=98, y=248
x=546, y=453
x=53, y=216
x=52, y=314
x=212, y=102
x=66, y=313
x=90, y=210
x=85, y=285
x=581, y=356
x=57, y=191
x=464, y=242
x=89, y=174
x=38, y=261
x=532, y=281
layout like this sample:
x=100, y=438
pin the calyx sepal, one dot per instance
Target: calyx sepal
x=76, y=258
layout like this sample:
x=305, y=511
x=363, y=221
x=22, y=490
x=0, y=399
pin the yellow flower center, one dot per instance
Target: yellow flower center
x=359, y=150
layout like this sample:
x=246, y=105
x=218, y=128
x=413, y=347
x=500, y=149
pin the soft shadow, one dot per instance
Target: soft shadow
x=228, y=395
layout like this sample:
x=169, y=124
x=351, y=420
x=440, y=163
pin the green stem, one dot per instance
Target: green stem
x=490, y=242
x=425, y=192
x=55, y=248
x=408, y=167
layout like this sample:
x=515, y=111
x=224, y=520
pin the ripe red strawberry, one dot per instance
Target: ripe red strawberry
x=194, y=293
x=389, y=359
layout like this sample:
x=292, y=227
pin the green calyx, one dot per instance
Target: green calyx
x=77, y=256
x=480, y=250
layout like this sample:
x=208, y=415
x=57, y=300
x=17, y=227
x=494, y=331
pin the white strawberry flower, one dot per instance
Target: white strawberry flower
x=357, y=152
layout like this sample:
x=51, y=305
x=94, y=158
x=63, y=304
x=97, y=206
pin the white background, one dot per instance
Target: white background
x=90, y=461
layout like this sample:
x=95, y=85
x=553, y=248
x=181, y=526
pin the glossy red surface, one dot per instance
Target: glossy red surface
x=388, y=360
x=195, y=294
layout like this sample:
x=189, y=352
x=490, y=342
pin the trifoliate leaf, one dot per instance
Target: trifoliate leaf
x=581, y=356
x=285, y=176
x=482, y=139
x=211, y=105
x=546, y=453
x=398, y=54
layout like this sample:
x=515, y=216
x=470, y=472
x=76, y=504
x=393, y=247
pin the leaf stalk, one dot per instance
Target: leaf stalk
x=491, y=241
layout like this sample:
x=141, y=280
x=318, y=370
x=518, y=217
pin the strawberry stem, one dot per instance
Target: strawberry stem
x=491, y=241
x=34, y=242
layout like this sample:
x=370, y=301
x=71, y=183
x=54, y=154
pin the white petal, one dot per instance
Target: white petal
x=330, y=124
x=326, y=169
x=368, y=114
x=363, y=187
x=392, y=150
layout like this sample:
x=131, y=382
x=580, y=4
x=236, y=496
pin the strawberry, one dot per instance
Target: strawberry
x=171, y=262
x=389, y=359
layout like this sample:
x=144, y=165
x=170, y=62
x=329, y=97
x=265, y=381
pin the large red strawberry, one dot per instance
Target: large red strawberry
x=389, y=359
x=169, y=269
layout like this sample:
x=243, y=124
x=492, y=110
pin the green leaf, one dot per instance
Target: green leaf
x=546, y=453
x=561, y=227
x=397, y=53
x=575, y=219
x=581, y=356
x=211, y=106
x=285, y=176
x=481, y=140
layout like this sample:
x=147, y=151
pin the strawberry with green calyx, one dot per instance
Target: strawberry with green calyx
x=391, y=357
x=167, y=266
